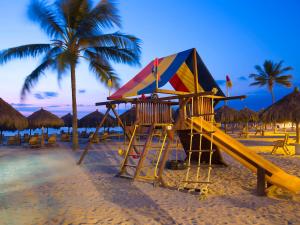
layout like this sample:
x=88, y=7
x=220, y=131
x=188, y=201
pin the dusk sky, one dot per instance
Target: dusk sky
x=231, y=36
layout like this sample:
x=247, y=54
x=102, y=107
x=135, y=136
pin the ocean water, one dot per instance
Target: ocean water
x=57, y=131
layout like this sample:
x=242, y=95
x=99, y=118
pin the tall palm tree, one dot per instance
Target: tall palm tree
x=270, y=74
x=76, y=29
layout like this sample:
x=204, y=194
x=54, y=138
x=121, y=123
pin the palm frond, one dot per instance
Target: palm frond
x=119, y=55
x=32, y=50
x=104, y=15
x=102, y=69
x=45, y=15
x=33, y=78
x=73, y=11
x=116, y=39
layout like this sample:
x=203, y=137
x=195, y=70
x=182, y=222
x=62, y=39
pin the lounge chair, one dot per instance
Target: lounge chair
x=52, y=140
x=281, y=144
x=244, y=133
x=35, y=142
x=26, y=138
x=65, y=137
x=95, y=139
x=14, y=140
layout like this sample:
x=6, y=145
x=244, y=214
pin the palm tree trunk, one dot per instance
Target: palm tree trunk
x=74, y=107
x=273, y=96
x=297, y=133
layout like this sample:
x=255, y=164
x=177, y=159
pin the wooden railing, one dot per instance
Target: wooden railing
x=153, y=112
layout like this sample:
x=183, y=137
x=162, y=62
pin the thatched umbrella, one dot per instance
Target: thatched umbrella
x=93, y=119
x=10, y=118
x=129, y=116
x=68, y=119
x=247, y=115
x=44, y=118
x=226, y=115
x=286, y=109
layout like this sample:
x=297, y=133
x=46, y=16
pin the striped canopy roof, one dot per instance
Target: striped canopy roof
x=175, y=69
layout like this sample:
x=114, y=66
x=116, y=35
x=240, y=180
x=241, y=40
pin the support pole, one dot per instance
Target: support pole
x=261, y=181
x=96, y=132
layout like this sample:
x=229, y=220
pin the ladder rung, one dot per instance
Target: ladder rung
x=195, y=182
x=197, y=150
x=129, y=165
x=138, y=144
x=203, y=132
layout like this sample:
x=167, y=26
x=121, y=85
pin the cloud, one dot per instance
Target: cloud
x=45, y=95
x=81, y=91
x=242, y=78
x=38, y=96
x=21, y=105
x=50, y=94
x=221, y=82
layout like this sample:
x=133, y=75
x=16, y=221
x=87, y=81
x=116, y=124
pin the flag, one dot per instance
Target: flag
x=228, y=82
x=155, y=68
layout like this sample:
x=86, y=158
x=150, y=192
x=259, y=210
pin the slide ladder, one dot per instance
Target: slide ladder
x=273, y=174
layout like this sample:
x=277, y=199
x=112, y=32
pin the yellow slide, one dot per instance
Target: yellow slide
x=247, y=157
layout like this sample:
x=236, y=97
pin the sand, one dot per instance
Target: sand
x=47, y=187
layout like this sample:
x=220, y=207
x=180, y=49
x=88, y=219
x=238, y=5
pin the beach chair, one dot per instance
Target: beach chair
x=26, y=138
x=35, y=142
x=281, y=144
x=65, y=137
x=52, y=140
x=14, y=140
x=95, y=139
x=244, y=133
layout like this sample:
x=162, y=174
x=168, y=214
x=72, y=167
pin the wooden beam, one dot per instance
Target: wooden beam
x=87, y=147
x=171, y=92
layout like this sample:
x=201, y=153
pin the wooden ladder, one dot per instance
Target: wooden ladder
x=137, y=161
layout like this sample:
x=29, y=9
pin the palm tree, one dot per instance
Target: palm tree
x=76, y=29
x=270, y=74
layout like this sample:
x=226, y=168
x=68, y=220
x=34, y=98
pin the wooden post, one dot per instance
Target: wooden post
x=144, y=153
x=109, y=107
x=261, y=181
x=196, y=109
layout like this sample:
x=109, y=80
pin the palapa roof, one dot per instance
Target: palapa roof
x=247, y=115
x=94, y=118
x=68, y=120
x=225, y=114
x=177, y=69
x=128, y=117
x=44, y=118
x=284, y=110
x=10, y=118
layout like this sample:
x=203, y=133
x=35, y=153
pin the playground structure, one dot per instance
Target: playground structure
x=196, y=93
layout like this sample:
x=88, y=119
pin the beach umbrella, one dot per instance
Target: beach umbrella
x=93, y=120
x=43, y=118
x=226, y=115
x=247, y=115
x=129, y=116
x=10, y=118
x=68, y=121
x=286, y=109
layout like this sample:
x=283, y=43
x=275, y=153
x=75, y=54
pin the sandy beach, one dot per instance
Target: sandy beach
x=45, y=186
